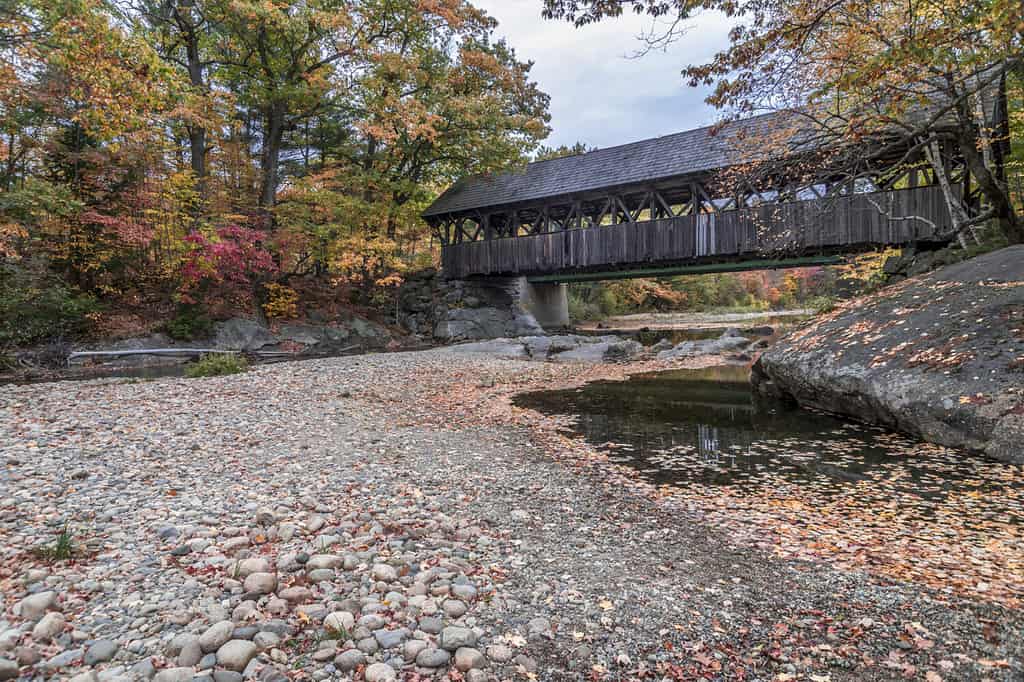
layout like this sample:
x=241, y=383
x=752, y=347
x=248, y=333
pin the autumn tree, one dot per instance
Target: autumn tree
x=865, y=76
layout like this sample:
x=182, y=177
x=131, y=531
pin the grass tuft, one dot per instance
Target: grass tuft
x=216, y=365
x=62, y=549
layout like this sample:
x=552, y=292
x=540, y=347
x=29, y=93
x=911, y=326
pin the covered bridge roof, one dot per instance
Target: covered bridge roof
x=689, y=152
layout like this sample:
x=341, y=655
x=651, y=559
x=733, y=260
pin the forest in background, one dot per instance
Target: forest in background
x=183, y=160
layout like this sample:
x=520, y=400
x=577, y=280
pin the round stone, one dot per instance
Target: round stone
x=467, y=658
x=348, y=661
x=51, y=625
x=384, y=573
x=260, y=583
x=454, y=608
x=340, y=621
x=380, y=672
x=432, y=658
x=34, y=606
x=454, y=638
x=247, y=567
x=216, y=636
x=100, y=651
x=236, y=654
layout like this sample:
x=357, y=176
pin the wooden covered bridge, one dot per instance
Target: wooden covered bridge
x=648, y=208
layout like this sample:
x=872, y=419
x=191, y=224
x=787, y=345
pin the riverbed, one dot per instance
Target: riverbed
x=409, y=492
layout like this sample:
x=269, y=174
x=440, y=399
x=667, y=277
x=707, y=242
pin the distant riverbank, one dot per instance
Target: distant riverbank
x=708, y=320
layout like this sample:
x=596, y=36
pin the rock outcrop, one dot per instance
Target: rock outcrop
x=730, y=341
x=462, y=310
x=939, y=356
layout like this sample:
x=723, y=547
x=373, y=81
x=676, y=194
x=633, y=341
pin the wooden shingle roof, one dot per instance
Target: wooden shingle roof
x=690, y=152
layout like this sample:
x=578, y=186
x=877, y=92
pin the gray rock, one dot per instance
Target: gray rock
x=340, y=621
x=63, y=659
x=331, y=561
x=266, y=640
x=368, y=645
x=260, y=583
x=34, y=606
x=236, y=654
x=8, y=669
x=464, y=592
x=242, y=334
x=247, y=567
x=454, y=637
x=379, y=672
x=601, y=351
x=412, y=649
x=432, y=658
x=100, y=651
x=454, y=608
x=389, y=639
x=49, y=626
x=927, y=351
x=296, y=594
x=348, y=661
x=384, y=573
x=227, y=676
x=175, y=675
x=191, y=654
x=467, y=658
x=216, y=636
x=431, y=625
x=511, y=349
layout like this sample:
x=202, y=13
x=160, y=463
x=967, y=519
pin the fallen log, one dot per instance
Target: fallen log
x=148, y=351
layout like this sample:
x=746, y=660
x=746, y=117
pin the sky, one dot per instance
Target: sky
x=600, y=95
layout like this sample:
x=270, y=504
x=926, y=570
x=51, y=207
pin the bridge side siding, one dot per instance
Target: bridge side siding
x=855, y=222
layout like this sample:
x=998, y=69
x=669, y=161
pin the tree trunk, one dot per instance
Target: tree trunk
x=273, y=134
x=972, y=146
x=196, y=134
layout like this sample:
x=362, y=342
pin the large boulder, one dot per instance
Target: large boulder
x=939, y=356
x=240, y=333
x=730, y=341
x=602, y=350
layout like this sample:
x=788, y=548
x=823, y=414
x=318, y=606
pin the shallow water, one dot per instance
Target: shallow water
x=704, y=427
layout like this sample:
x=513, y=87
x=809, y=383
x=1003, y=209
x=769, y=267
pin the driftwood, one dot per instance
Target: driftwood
x=188, y=352
x=147, y=351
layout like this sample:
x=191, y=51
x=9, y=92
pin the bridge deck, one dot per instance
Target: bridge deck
x=839, y=223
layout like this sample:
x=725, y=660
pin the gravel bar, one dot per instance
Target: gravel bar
x=392, y=516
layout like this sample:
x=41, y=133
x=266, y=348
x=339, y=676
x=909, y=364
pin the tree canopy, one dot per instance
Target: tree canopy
x=200, y=150
x=914, y=76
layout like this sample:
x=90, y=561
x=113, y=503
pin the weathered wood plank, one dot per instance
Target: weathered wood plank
x=853, y=221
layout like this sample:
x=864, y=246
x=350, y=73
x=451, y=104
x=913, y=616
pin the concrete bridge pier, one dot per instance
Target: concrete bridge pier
x=547, y=302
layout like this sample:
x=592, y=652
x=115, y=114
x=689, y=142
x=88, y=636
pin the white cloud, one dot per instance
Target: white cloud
x=599, y=94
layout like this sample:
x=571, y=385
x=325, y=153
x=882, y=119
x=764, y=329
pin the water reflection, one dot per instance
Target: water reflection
x=704, y=427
